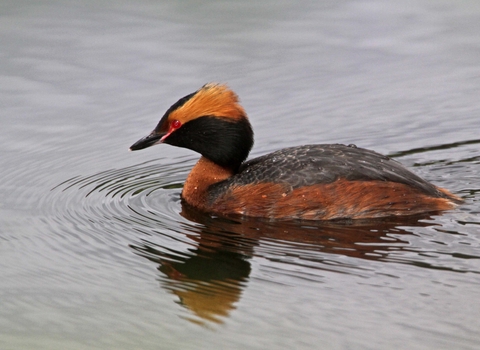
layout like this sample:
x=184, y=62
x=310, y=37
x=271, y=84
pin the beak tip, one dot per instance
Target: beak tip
x=147, y=141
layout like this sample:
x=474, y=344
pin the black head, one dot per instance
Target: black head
x=209, y=121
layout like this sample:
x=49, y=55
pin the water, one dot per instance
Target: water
x=96, y=248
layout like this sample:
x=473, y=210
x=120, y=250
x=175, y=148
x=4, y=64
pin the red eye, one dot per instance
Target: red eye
x=176, y=124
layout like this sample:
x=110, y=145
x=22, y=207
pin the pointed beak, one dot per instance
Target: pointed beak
x=148, y=141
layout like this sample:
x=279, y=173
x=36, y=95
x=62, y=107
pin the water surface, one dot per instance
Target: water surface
x=96, y=248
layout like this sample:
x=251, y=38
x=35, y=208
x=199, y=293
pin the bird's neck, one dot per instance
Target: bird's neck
x=203, y=174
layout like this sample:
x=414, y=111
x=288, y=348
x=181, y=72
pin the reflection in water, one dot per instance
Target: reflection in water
x=210, y=278
x=208, y=281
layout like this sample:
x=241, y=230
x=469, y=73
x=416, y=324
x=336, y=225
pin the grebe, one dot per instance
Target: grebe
x=312, y=182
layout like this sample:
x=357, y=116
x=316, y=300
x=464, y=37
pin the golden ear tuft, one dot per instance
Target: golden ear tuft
x=212, y=99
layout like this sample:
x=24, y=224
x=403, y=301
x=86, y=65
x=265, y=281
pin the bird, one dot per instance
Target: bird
x=309, y=182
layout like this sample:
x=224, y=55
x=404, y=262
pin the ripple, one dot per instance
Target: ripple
x=142, y=202
x=129, y=197
x=206, y=261
x=445, y=146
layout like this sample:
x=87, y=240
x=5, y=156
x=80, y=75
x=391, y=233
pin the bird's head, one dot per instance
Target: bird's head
x=209, y=121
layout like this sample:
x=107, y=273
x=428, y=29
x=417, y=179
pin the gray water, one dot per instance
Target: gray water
x=96, y=251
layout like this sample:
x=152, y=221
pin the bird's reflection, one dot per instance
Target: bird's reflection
x=209, y=278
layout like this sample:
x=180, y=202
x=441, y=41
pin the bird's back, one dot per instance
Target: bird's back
x=322, y=164
x=314, y=170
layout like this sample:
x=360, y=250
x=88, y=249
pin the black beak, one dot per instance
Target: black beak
x=147, y=141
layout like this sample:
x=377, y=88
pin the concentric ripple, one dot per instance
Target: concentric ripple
x=142, y=205
x=205, y=260
x=137, y=197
